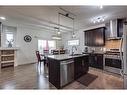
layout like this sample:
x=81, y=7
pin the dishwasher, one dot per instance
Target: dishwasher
x=66, y=71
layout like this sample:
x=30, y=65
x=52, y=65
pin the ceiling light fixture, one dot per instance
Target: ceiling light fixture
x=54, y=37
x=70, y=17
x=98, y=19
x=101, y=6
x=57, y=35
x=73, y=34
x=3, y=18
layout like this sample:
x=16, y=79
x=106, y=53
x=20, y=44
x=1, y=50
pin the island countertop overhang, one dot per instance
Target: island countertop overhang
x=62, y=57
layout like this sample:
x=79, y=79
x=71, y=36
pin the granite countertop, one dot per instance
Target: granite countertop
x=65, y=56
x=94, y=53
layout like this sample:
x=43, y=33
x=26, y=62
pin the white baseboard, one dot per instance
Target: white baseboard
x=26, y=63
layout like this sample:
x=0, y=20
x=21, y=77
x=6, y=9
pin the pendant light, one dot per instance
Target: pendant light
x=57, y=35
x=58, y=32
x=73, y=31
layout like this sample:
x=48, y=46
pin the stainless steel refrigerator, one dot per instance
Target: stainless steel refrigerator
x=125, y=54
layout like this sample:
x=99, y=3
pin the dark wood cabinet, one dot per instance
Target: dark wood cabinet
x=81, y=66
x=94, y=37
x=120, y=27
x=96, y=61
x=54, y=72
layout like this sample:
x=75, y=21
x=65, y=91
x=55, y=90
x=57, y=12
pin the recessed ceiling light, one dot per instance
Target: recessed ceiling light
x=101, y=6
x=58, y=33
x=3, y=18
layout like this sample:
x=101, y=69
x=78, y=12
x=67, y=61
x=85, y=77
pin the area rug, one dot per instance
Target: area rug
x=87, y=79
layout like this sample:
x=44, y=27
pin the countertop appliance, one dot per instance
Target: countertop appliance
x=112, y=61
x=66, y=72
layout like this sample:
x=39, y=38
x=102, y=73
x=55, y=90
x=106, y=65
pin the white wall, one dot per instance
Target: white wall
x=80, y=36
x=26, y=51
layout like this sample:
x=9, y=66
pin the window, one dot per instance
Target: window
x=51, y=44
x=9, y=38
x=41, y=45
x=73, y=42
x=46, y=45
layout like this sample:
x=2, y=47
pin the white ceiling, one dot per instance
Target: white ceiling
x=86, y=13
x=47, y=16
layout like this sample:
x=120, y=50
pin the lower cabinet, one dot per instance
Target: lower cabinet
x=96, y=61
x=81, y=66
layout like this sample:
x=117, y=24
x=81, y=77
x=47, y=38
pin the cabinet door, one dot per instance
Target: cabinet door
x=96, y=61
x=86, y=38
x=78, y=67
x=92, y=60
x=99, y=61
x=120, y=27
x=85, y=64
x=81, y=66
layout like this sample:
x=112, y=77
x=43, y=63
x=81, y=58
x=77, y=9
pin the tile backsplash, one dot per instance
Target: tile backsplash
x=112, y=44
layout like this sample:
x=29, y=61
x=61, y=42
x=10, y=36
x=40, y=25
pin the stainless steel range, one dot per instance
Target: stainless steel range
x=112, y=61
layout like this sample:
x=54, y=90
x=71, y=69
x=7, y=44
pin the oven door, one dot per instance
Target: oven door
x=113, y=65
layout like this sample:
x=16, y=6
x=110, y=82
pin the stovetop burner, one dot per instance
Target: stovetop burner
x=113, y=52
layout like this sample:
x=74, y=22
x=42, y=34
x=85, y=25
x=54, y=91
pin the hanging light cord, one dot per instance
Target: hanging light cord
x=58, y=22
x=73, y=27
x=73, y=33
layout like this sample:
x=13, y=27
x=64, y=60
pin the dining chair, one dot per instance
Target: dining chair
x=40, y=58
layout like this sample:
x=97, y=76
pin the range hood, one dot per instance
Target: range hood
x=114, y=29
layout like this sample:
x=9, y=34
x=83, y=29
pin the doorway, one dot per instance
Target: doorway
x=46, y=45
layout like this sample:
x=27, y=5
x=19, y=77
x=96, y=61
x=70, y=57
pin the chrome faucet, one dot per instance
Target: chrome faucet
x=72, y=49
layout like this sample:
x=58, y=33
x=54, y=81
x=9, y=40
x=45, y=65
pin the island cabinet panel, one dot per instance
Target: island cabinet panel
x=75, y=67
x=54, y=72
x=81, y=66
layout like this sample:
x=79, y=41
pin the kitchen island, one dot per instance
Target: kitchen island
x=65, y=68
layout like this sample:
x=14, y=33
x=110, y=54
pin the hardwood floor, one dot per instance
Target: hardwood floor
x=29, y=77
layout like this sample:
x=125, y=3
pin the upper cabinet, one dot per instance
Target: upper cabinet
x=114, y=29
x=120, y=27
x=94, y=37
